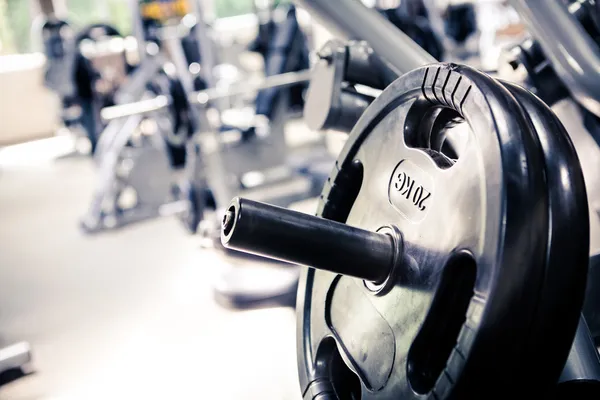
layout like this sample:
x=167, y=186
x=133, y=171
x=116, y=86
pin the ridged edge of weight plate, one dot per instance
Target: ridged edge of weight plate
x=556, y=319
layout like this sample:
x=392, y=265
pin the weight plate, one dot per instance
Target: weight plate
x=174, y=121
x=455, y=320
x=556, y=319
x=180, y=106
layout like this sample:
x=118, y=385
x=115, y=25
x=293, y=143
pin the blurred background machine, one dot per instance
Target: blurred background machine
x=178, y=95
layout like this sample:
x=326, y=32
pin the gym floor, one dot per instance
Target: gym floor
x=126, y=314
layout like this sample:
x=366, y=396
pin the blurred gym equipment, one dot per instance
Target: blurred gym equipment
x=13, y=359
x=140, y=157
x=221, y=157
x=84, y=68
x=412, y=18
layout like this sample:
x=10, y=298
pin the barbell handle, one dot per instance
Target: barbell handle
x=298, y=238
x=136, y=108
x=279, y=80
x=203, y=96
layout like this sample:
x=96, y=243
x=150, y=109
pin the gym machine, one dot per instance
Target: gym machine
x=440, y=270
x=229, y=159
x=84, y=69
x=173, y=94
x=141, y=157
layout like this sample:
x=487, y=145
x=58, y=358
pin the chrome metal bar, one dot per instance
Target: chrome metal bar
x=137, y=108
x=353, y=20
x=138, y=28
x=299, y=238
x=583, y=363
x=203, y=96
x=570, y=49
x=280, y=80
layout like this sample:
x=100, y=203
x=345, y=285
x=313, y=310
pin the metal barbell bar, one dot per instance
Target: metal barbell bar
x=298, y=238
x=204, y=96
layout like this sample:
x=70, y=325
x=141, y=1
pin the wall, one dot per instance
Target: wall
x=27, y=109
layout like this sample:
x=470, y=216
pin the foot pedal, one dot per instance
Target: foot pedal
x=13, y=359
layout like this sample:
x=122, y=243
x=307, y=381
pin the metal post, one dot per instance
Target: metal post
x=207, y=50
x=388, y=42
x=573, y=53
x=583, y=364
x=138, y=28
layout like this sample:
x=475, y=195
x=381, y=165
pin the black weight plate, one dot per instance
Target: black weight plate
x=557, y=316
x=173, y=121
x=85, y=74
x=455, y=322
x=167, y=118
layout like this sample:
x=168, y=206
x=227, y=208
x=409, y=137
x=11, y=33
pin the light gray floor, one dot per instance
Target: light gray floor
x=128, y=314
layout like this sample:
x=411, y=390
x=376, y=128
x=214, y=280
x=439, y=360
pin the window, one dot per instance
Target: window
x=20, y=20
x=15, y=26
x=230, y=8
x=113, y=12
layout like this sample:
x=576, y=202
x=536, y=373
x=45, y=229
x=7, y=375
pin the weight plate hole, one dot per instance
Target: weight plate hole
x=344, y=381
x=439, y=131
x=433, y=345
x=454, y=132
